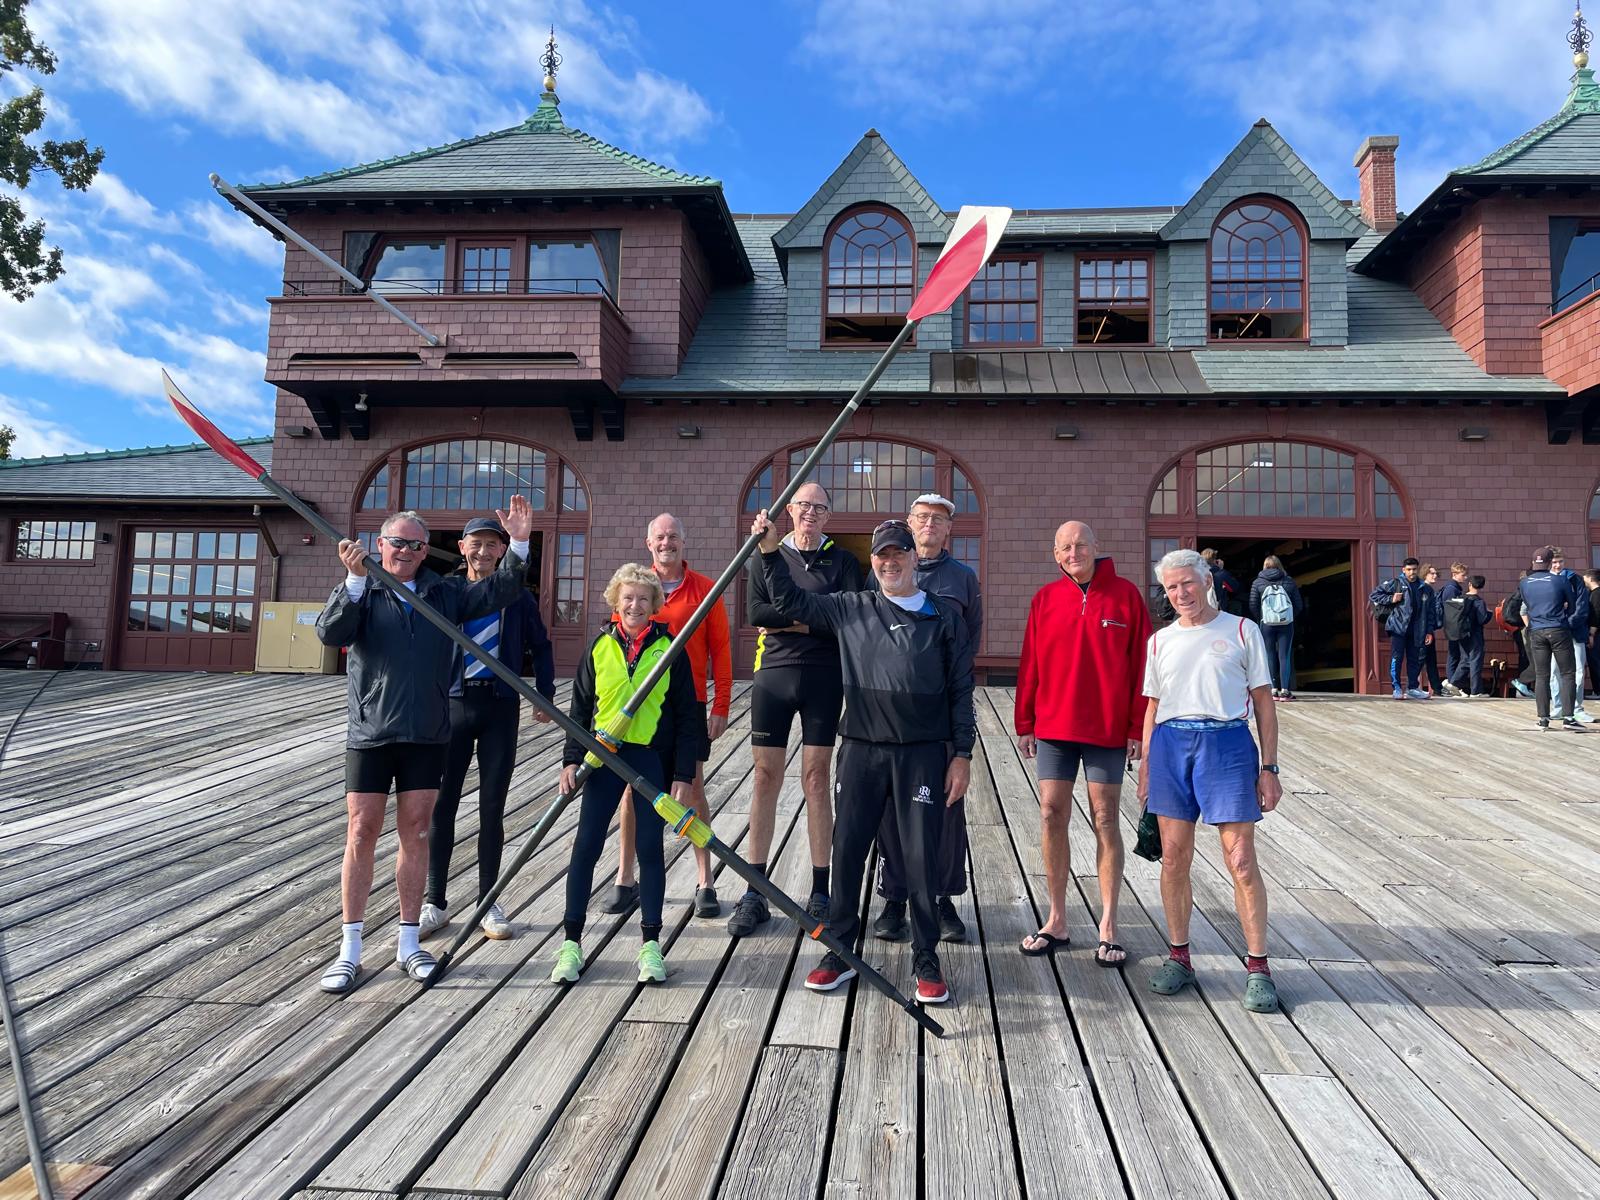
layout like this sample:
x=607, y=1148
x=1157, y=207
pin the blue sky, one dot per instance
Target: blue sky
x=1019, y=102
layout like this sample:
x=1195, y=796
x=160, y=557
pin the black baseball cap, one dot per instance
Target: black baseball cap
x=486, y=525
x=893, y=535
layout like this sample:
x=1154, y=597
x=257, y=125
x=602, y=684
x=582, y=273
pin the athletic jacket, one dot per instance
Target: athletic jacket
x=710, y=639
x=1546, y=601
x=1081, y=677
x=827, y=570
x=522, y=637
x=907, y=675
x=1412, y=614
x=956, y=586
x=1579, y=621
x=607, y=676
x=400, y=666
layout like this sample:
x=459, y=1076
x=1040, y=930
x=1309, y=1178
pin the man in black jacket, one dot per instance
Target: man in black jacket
x=399, y=719
x=906, y=735
x=796, y=674
x=483, y=722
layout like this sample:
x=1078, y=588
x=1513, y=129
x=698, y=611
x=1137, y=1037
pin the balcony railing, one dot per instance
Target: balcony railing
x=324, y=286
x=1573, y=294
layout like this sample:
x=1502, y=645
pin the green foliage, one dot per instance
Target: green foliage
x=25, y=260
x=7, y=436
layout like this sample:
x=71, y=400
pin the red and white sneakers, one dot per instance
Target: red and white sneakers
x=830, y=973
x=931, y=987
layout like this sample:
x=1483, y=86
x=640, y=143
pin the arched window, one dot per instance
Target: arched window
x=871, y=480
x=450, y=482
x=871, y=262
x=1258, y=273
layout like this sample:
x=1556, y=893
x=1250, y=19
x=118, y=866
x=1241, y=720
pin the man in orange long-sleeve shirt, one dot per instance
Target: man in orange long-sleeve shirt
x=710, y=648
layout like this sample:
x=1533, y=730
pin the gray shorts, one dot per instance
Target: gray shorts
x=1059, y=760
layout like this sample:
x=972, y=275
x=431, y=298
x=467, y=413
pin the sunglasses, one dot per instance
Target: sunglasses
x=400, y=543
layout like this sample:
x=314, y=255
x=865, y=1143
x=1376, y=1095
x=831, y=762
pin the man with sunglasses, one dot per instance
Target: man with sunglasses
x=906, y=738
x=796, y=673
x=400, y=671
x=955, y=585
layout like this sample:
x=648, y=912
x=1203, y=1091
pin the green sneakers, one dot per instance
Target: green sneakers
x=1171, y=977
x=569, y=963
x=652, y=967
x=1261, y=994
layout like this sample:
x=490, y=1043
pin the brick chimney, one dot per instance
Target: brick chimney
x=1375, y=166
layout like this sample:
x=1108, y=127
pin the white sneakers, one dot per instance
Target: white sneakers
x=494, y=924
x=433, y=919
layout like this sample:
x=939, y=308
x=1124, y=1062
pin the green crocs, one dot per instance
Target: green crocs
x=1171, y=977
x=1260, y=993
x=569, y=963
x=652, y=968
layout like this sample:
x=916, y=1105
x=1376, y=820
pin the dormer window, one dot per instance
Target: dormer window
x=871, y=263
x=1258, y=273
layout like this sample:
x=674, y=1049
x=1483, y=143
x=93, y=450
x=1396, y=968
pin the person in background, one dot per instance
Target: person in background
x=1403, y=608
x=1547, y=608
x=1453, y=591
x=1275, y=605
x=1591, y=581
x=1230, y=592
x=1435, y=623
x=1578, y=624
x=1474, y=619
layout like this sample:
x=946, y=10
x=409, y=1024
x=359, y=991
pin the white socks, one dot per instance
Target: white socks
x=409, y=944
x=350, y=943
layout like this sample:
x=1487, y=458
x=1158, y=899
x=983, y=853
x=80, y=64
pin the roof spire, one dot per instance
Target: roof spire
x=1585, y=93
x=550, y=60
x=548, y=115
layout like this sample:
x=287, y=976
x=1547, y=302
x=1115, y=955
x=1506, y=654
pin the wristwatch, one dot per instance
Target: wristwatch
x=1273, y=767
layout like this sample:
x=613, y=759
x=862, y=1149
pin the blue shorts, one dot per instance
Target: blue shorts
x=1204, y=769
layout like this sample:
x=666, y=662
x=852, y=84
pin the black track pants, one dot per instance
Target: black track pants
x=488, y=723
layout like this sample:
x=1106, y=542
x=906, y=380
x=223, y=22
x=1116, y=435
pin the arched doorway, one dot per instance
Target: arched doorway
x=449, y=482
x=1336, y=517
x=868, y=480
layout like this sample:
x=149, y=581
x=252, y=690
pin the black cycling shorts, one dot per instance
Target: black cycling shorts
x=404, y=766
x=816, y=693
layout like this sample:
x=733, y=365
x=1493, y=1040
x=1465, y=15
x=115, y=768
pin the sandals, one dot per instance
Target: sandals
x=418, y=965
x=340, y=977
x=1052, y=943
x=1105, y=948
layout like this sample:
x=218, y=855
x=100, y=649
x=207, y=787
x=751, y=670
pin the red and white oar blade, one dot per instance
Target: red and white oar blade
x=209, y=433
x=973, y=239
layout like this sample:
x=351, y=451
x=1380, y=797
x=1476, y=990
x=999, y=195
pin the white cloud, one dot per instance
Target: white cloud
x=233, y=234
x=37, y=433
x=118, y=201
x=341, y=77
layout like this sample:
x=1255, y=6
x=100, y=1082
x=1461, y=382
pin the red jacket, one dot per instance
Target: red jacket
x=1081, y=678
x=711, y=640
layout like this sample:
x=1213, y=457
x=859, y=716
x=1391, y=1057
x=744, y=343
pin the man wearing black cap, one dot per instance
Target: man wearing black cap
x=907, y=709
x=1547, y=606
x=483, y=718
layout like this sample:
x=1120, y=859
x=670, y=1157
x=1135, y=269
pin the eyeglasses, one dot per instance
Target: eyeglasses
x=927, y=518
x=806, y=506
x=400, y=543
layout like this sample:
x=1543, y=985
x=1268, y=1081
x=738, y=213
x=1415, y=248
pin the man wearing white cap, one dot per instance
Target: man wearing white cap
x=955, y=585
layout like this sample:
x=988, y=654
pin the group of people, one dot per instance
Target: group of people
x=1550, y=615
x=878, y=664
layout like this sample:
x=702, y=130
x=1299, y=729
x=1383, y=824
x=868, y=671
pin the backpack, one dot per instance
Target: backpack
x=1508, y=613
x=1276, y=607
x=1455, y=619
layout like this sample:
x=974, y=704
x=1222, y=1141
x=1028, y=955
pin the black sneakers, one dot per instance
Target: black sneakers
x=747, y=914
x=817, y=906
x=951, y=927
x=891, y=925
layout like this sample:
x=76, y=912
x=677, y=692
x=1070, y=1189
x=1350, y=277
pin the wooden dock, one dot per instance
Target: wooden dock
x=169, y=853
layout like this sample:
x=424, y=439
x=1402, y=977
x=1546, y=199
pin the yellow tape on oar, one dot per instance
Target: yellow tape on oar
x=610, y=737
x=683, y=821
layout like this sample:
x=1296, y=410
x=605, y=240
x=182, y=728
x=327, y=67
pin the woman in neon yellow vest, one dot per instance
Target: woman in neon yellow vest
x=660, y=744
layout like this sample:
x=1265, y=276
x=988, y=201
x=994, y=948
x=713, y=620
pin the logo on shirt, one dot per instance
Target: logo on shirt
x=1221, y=648
x=923, y=795
x=892, y=628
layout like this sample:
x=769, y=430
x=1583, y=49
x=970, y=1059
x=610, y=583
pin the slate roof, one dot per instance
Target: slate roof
x=808, y=226
x=1396, y=346
x=1043, y=224
x=1273, y=167
x=543, y=155
x=187, y=473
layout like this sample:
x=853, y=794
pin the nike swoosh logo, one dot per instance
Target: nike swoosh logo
x=892, y=628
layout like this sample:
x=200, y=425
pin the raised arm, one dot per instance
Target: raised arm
x=794, y=604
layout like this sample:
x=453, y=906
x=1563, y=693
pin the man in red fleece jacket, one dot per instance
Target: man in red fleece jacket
x=1080, y=701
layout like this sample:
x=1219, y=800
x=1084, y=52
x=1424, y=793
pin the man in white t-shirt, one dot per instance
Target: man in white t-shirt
x=1204, y=674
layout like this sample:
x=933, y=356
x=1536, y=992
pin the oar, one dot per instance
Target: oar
x=683, y=821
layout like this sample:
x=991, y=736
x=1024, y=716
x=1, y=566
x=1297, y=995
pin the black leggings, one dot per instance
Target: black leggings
x=484, y=721
x=602, y=792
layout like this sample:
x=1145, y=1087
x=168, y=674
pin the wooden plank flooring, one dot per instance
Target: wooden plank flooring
x=169, y=851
